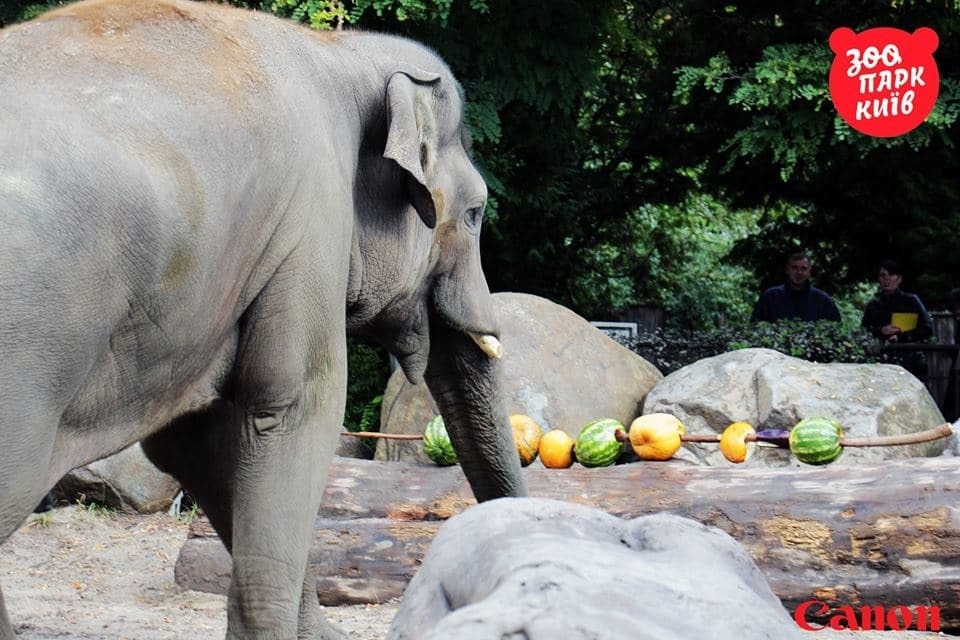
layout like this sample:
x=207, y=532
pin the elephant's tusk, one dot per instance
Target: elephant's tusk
x=489, y=345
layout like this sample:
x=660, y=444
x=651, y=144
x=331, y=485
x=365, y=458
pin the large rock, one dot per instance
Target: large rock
x=543, y=570
x=951, y=446
x=773, y=391
x=557, y=368
x=353, y=447
x=126, y=481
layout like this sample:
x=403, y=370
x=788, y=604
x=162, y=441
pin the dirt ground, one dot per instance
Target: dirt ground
x=81, y=573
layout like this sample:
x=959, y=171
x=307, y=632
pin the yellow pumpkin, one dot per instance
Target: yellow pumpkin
x=526, y=435
x=733, y=442
x=556, y=449
x=656, y=436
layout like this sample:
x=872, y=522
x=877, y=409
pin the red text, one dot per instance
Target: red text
x=867, y=618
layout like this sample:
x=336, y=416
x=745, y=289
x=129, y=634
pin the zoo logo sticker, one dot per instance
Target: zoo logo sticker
x=884, y=81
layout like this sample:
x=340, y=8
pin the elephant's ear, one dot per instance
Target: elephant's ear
x=411, y=132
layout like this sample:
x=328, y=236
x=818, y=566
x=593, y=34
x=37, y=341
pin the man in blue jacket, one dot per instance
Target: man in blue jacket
x=796, y=299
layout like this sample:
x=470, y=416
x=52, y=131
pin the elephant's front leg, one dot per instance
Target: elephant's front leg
x=288, y=399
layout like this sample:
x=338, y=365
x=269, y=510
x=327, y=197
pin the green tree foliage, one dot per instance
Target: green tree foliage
x=330, y=14
x=672, y=255
x=730, y=100
x=779, y=139
x=12, y=11
x=367, y=373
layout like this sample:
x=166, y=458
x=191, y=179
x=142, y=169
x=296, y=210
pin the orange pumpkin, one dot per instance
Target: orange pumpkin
x=526, y=435
x=556, y=449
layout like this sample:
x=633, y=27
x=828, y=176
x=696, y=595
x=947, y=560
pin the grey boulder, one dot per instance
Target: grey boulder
x=771, y=390
x=126, y=481
x=543, y=570
x=557, y=368
x=951, y=447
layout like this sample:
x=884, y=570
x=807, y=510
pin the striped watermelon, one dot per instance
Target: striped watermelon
x=436, y=443
x=816, y=440
x=597, y=445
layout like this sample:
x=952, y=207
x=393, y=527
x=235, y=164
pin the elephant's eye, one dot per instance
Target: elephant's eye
x=473, y=218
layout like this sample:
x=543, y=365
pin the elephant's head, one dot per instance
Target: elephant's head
x=416, y=283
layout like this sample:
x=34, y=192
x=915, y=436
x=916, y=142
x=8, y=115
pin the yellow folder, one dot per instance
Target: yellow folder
x=906, y=321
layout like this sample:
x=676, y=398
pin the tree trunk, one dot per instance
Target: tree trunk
x=879, y=535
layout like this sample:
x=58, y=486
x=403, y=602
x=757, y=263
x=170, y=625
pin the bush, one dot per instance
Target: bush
x=367, y=374
x=823, y=341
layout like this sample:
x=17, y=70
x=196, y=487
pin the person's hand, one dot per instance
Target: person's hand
x=890, y=330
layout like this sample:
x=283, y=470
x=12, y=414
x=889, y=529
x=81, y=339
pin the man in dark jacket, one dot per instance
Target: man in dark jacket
x=895, y=316
x=796, y=299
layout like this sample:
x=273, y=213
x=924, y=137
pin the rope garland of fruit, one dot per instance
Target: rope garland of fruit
x=776, y=436
x=659, y=436
x=383, y=436
x=943, y=431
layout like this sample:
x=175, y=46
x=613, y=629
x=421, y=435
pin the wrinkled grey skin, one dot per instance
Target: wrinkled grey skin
x=197, y=205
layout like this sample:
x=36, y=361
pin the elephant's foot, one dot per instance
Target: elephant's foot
x=319, y=628
x=313, y=625
x=6, y=629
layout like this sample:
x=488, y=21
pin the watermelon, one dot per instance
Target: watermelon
x=816, y=440
x=436, y=443
x=597, y=445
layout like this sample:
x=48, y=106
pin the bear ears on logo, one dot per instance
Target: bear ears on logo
x=925, y=39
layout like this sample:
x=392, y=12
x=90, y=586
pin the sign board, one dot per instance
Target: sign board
x=618, y=330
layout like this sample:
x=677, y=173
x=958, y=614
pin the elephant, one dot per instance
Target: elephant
x=198, y=205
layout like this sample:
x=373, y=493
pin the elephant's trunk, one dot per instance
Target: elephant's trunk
x=465, y=383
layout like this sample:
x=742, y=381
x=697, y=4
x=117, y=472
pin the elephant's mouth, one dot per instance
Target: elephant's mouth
x=469, y=315
x=412, y=345
x=412, y=356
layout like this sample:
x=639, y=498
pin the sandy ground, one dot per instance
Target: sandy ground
x=79, y=573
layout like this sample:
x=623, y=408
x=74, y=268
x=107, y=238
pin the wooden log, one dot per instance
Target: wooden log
x=881, y=535
x=368, y=560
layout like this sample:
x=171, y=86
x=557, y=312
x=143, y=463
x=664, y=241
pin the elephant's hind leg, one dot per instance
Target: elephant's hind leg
x=195, y=449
